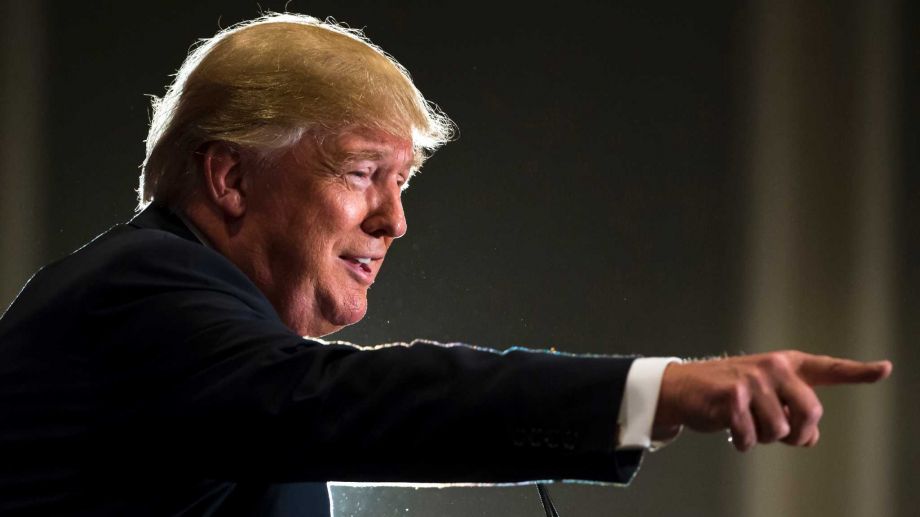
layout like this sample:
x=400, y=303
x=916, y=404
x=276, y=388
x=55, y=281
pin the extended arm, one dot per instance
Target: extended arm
x=212, y=378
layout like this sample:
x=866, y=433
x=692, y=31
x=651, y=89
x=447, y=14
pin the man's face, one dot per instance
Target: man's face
x=321, y=227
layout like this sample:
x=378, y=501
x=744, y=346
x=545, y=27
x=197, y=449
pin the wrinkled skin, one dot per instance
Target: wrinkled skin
x=298, y=226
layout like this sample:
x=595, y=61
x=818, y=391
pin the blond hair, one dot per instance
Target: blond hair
x=264, y=83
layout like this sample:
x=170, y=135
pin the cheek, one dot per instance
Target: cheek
x=337, y=222
x=347, y=209
x=327, y=223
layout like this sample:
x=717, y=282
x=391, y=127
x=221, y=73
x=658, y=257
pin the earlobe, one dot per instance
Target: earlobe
x=223, y=177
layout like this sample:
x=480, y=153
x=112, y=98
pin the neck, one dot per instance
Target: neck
x=208, y=225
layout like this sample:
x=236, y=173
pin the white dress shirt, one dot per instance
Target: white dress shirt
x=640, y=401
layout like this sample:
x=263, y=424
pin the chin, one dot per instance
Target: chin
x=337, y=316
x=351, y=315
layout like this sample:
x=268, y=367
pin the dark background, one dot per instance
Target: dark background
x=598, y=198
x=591, y=172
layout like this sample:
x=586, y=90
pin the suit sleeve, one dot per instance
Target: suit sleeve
x=199, y=372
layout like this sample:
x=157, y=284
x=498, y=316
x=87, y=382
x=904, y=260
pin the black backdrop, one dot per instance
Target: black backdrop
x=588, y=203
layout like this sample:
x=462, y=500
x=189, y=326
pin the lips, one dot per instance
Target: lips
x=362, y=262
x=361, y=268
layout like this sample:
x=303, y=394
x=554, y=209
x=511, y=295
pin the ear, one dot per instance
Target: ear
x=224, y=183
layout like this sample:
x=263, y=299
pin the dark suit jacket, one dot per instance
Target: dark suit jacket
x=146, y=375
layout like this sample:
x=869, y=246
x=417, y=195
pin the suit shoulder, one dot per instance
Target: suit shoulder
x=156, y=252
x=130, y=263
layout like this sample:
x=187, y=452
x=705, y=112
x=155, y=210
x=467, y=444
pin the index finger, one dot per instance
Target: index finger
x=816, y=370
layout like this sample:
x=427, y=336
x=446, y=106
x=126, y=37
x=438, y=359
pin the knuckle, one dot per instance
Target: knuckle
x=782, y=429
x=813, y=413
x=793, y=356
x=835, y=368
x=777, y=361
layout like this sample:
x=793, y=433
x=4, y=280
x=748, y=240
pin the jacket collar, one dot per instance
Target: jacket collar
x=162, y=218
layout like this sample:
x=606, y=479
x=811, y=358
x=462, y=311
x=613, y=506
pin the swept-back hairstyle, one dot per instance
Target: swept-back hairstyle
x=265, y=83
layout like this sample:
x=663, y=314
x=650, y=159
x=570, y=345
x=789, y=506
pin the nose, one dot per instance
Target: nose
x=386, y=218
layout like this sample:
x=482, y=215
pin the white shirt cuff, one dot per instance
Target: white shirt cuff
x=640, y=401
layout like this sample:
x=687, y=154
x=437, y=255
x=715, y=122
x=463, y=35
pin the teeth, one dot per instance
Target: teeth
x=363, y=260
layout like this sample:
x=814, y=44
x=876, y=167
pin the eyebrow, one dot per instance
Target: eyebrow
x=376, y=155
x=362, y=154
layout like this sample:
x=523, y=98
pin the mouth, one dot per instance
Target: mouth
x=360, y=267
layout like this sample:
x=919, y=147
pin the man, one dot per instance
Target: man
x=161, y=369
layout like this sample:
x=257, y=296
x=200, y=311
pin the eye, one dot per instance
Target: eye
x=358, y=177
x=402, y=182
